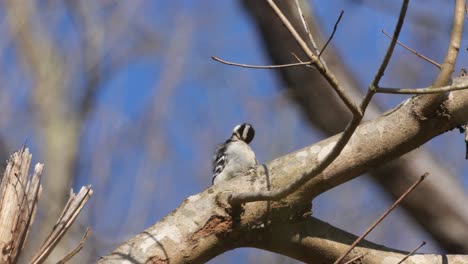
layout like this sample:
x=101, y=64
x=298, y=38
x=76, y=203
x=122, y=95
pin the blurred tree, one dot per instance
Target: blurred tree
x=121, y=94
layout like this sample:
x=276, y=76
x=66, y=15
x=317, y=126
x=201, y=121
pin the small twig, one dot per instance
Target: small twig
x=456, y=33
x=427, y=90
x=306, y=27
x=412, y=252
x=260, y=66
x=382, y=217
x=299, y=60
x=396, y=33
x=329, y=77
x=429, y=104
x=73, y=207
x=77, y=248
x=332, y=34
x=358, y=114
x=355, y=258
x=413, y=51
x=309, y=33
x=391, y=47
x=296, y=57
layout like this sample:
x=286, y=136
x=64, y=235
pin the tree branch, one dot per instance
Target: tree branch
x=431, y=103
x=331, y=79
x=315, y=241
x=310, y=92
x=19, y=194
x=426, y=90
x=75, y=203
x=327, y=159
x=260, y=66
x=381, y=218
x=203, y=226
x=414, y=52
x=309, y=34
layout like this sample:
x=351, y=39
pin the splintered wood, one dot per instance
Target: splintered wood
x=19, y=195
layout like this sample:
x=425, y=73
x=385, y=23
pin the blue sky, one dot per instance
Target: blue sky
x=208, y=99
x=211, y=98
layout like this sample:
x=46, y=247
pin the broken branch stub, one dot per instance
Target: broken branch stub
x=19, y=196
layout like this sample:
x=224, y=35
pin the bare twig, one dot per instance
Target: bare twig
x=260, y=66
x=306, y=27
x=391, y=47
x=447, y=66
x=429, y=104
x=331, y=79
x=345, y=136
x=414, y=52
x=382, y=217
x=332, y=34
x=77, y=249
x=412, y=252
x=426, y=90
x=299, y=60
x=396, y=33
x=73, y=207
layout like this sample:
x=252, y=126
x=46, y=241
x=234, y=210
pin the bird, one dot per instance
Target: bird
x=234, y=155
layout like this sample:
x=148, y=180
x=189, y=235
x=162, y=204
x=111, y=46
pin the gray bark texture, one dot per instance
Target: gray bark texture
x=205, y=225
x=309, y=90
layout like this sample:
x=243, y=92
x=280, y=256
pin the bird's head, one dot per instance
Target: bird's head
x=244, y=132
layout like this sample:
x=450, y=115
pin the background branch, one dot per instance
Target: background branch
x=175, y=236
x=328, y=158
x=431, y=103
x=311, y=93
x=314, y=241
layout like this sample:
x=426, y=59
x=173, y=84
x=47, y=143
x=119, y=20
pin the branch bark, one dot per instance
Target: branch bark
x=205, y=225
x=314, y=241
x=312, y=94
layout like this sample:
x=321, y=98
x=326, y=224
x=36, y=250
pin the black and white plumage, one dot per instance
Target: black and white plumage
x=234, y=155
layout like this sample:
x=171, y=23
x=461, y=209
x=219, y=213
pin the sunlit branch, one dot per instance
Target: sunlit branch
x=260, y=66
x=345, y=136
x=427, y=90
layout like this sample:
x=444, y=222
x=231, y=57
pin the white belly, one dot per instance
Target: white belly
x=240, y=158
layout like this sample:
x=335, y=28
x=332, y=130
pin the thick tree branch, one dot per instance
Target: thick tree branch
x=311, y=93
x=314, y=241
x=344, y=138
x=202, y=228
